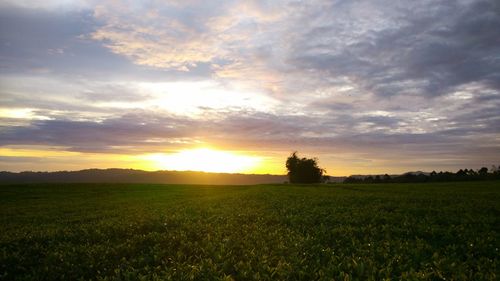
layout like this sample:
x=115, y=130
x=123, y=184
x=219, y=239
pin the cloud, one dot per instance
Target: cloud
x=66, y=5
x=129, y=133
x=47, y=42
x=146, y=132
x=233, y=39
x=166, y=37
x=361, y=80
x=56, y=43
x=413, y=49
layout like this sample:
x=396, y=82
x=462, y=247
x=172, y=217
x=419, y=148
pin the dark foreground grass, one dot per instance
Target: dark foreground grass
x=337, y=232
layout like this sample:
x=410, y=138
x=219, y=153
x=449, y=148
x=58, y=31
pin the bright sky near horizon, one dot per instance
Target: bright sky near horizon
x=369, y=86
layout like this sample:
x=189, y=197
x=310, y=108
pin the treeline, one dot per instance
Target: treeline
x=461, y=175
x=137, y=176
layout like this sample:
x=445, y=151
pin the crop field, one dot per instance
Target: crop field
x=445, y=231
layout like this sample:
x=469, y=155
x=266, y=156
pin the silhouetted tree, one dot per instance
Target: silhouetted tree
x=472, y=173
x=483, y=171
x=303, y=170
x=461, y=173
x=387, y=178
x=368, y=179
x=496, y=172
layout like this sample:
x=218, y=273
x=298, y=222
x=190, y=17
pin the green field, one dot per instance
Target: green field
x=445, y=231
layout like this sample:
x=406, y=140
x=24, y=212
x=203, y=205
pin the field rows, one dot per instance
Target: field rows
x=447, y=231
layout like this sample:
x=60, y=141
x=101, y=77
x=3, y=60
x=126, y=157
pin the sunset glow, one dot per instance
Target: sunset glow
x=205, y=160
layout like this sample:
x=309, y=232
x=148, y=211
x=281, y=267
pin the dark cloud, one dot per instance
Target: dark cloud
x=143, y=132
x=428, y=53
x=37, y=39
x=131, y=131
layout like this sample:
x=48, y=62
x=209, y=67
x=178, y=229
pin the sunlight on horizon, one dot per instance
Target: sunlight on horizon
x=205, y=160
x=195, y=159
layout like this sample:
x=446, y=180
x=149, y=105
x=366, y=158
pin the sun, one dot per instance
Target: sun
x=205, y=160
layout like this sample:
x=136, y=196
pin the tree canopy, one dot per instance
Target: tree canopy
x=304, y=170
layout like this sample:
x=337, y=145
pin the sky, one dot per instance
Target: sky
x=373, y=86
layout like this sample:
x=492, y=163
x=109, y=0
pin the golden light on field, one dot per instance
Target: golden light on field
x=205, y=160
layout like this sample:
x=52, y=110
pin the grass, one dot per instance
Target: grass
x=445, y=231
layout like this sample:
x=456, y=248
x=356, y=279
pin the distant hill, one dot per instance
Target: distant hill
x=138, y=176
x=374, y=175
x=416, y=173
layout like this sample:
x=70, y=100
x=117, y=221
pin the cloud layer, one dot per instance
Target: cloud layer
x=360, y=84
